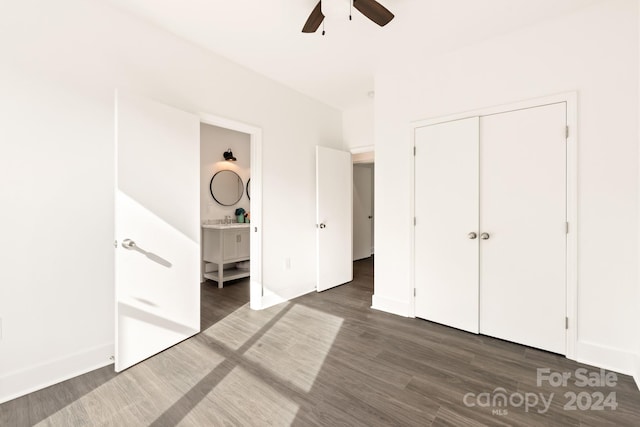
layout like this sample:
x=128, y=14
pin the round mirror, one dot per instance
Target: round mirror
x=226, y=188
x=248, y=187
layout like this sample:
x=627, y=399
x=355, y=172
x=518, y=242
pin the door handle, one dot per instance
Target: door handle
x=128, y=244
x=485, y=236
x=322, y=225
x=472, y=235
x=370, y=217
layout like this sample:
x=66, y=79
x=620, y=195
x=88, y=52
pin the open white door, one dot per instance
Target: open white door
x=334, y=204
x=157, y=228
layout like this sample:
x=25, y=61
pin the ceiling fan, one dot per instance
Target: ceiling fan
x=369, y=8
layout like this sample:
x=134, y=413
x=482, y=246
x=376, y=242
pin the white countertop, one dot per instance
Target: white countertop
x=225, y=226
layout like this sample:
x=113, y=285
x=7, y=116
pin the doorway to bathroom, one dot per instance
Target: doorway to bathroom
x=225, y=200
x=225, y=214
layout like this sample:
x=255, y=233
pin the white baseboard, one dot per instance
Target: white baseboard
x=636, y=376
x=19, y=383
x=271, y=298
x=401, y=308
x=609, y=358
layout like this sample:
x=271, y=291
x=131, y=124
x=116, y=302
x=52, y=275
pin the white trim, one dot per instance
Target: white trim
x=389, y=305
x=637, y=311
x=255, y=284
x=272, y=298
x=412, y=225
x=609, y=358
x=636, y=374
x=16, y=384
x=572, y=217
x=636, y=371
x=503, y=108
x=363, y=149
x=363, y=155
x=571, y=100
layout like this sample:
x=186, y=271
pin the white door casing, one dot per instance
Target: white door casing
x=523, y=209
x=362, y=210
x=157, y=207
x=446, y=213
x=334, y=204
x=255, y=288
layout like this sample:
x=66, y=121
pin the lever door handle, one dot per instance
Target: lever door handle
x=485, y=236
x=128, y=244
x=472, y=235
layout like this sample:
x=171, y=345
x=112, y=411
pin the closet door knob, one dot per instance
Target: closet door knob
x=128, y=244
x=485, y=236
x=472, y=235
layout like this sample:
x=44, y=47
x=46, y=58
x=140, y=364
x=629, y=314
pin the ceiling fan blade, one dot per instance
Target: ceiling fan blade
x=374, y=11
x=314, y=20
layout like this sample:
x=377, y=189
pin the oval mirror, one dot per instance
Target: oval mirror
x=226, y=188
x=248, y=187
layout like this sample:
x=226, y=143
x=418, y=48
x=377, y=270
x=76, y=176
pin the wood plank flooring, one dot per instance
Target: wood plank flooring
x=324, y=360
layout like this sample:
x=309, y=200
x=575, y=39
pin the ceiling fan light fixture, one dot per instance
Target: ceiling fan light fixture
x=339, y=8
x=228, y=155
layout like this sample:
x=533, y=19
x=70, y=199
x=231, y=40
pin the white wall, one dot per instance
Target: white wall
x=595, y=52
x=59, y=65
x=213, y=142
x=637, y=321
x=357, y=126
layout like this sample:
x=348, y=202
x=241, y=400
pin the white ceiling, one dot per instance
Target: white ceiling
x=338, y=68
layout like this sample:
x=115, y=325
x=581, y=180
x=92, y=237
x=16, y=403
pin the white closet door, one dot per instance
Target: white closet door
x=446, y=209
x=523, y=211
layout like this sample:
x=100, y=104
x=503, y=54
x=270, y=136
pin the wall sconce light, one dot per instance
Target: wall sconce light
x=228, y=155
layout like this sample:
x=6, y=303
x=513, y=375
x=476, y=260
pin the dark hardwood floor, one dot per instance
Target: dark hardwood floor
x=328, y=360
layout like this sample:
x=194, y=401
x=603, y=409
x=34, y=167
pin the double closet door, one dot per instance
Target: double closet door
x=490, y=234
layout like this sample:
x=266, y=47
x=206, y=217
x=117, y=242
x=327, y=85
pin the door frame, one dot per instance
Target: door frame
x=255, y=281
x=366, y=154
x=571, y=99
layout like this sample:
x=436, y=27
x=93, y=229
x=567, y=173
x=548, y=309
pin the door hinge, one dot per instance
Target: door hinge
x=566, y=227
x=414, y=150
x=414, y=221
x=115, y=243
x=566, y=132
x=414, y=292
x=566, y=323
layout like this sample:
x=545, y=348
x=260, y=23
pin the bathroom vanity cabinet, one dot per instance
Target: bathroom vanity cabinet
x=225, y=245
